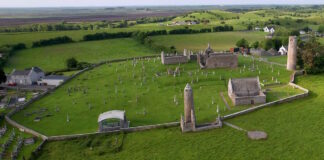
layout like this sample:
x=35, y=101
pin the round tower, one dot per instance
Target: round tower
x=292, y=53
x=188, y=103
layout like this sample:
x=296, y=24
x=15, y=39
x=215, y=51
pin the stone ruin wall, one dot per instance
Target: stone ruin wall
x=222, y=61
x=175, y=60
x=247, y=100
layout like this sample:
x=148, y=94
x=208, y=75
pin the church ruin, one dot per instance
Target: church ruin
x=173, y=59
x=245, y=91
x=188, y=121
x=211, y=59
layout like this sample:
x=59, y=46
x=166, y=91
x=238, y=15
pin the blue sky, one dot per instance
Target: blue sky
x=89, y=3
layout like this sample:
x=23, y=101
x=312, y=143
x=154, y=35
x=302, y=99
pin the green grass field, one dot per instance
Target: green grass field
x=54, y=57
x=196, y=42
x=294, y=132
x=146, y=98
x=277, y=59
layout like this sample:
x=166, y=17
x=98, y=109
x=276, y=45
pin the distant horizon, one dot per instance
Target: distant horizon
x=144, y=3
x=160, y=6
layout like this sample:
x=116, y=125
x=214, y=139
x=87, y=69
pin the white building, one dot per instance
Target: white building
x=26, y=77
x=302, y=32
x=283, y=50
x=269, y=30
x=52, y=80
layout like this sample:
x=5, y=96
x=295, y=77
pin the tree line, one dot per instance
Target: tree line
x=52, y=41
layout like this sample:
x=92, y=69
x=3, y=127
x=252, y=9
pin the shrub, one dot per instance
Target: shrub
x=52, y=41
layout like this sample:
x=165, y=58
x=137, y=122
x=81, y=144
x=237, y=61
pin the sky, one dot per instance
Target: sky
x=103, y=3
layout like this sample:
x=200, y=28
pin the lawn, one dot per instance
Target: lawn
x=294, y=132
x=147, y=99
x=54, y=57
x=196, y=42
x=278, y=59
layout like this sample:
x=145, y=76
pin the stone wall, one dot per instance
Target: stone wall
x=248, y=100
x=221, y=61
x=174, y=59
x=131, y=129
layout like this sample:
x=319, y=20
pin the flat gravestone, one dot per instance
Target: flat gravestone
x=257, y=135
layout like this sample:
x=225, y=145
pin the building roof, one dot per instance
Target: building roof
x=114, y=114
x=26, y=71
x=20, y=72
x=55, y=77
x=246, y=86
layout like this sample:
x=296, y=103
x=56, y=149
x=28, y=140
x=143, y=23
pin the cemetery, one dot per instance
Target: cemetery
x=149, y=93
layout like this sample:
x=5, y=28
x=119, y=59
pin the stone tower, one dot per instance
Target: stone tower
x=162, y=57
x=292, y=53
x=188, y=122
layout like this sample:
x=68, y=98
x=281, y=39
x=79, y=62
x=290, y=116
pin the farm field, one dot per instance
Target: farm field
x=220, y=41
x=54, y=57
x=292, y=134
x=147, y=98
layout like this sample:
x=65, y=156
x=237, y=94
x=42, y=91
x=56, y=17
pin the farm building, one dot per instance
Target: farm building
x=269, y=30
x=245, y=91
x=25, y=77
x=52, y=80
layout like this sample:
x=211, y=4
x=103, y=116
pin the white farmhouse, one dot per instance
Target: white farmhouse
x=283, y=50
x=26, y=77
x=269, y=30
x=52, y=80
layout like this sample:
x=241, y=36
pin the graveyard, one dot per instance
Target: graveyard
x=147, y=92
x=148, y=88
x=285, y=125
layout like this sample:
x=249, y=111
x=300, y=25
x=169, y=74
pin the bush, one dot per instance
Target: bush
x=104, y=35
x=71, y=63
x=223, y=28
x=242, y=43
x=52, y=41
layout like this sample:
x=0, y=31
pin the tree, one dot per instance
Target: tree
x=255, y=44
x=249, y=27
x=321, y=29
x=3, y=77
x=71, y=63
x=312, y=55
x=242, y=43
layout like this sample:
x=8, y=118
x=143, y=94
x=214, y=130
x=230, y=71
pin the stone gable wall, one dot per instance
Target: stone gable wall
x=222, y=61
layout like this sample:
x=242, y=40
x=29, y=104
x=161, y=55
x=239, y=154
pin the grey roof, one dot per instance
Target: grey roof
x=114, y=114
x=26, y=71
x=37, y=69
x=55, y=77
x=246, y=86
x=20, y=72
